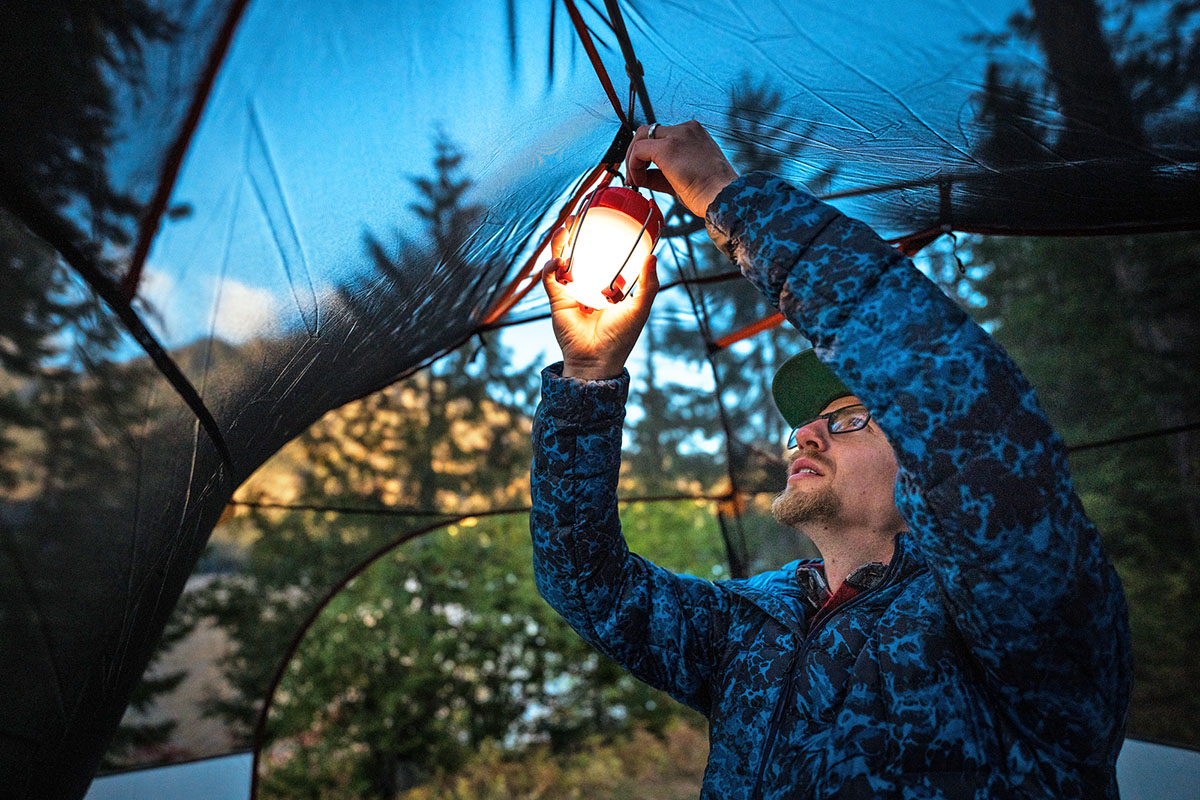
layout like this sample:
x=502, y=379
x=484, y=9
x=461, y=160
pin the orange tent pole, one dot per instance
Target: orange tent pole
x=909, y=245
x=766, y=323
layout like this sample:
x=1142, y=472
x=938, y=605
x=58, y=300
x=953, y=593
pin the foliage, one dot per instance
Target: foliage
x=443, y=646
x=431, y=440
x=666, y=765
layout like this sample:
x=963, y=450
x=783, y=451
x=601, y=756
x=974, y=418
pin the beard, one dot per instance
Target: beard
x=795, y=508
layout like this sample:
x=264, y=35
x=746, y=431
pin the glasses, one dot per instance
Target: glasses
x=846, y=419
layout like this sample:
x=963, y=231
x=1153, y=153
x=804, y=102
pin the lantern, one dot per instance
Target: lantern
x=613, y=235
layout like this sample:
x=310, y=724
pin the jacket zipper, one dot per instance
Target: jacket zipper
x=798, y=657
x=777, y=718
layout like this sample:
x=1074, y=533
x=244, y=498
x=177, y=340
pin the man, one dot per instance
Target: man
x=963, y=636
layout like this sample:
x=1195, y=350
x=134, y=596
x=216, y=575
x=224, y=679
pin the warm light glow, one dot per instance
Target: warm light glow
x=603, y=242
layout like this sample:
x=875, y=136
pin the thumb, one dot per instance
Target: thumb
x=656, y=181
x=647, y=286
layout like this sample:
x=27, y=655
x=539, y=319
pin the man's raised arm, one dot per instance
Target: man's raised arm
x=983, y=481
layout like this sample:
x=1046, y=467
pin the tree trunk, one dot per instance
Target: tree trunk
x=1098, y=113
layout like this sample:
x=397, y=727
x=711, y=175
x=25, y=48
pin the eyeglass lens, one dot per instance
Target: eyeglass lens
x=844, y=420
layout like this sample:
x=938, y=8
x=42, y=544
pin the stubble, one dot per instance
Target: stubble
x=796, y=508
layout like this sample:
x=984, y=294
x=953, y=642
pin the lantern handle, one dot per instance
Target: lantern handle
x=578, y=225
x=632, y=250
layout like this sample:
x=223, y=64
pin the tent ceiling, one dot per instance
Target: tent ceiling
x=285, y=270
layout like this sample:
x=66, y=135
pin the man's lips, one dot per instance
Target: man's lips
x=804, y=468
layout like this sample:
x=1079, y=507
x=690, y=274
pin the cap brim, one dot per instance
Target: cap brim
x=803, y=386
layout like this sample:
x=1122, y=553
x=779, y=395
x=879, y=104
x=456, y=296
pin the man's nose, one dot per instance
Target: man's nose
x=812, y=436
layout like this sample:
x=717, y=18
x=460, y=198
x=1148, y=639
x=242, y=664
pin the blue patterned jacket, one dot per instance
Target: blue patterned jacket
x=991, y=660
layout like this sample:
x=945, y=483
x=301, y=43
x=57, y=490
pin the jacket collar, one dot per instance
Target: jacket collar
x=810, y=575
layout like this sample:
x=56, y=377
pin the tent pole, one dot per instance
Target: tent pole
x=633, y=67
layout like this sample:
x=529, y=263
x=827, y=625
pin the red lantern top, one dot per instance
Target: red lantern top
x=631, y=203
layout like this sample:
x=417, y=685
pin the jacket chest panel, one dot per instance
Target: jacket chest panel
x=835, y=660
x=756, y=666
x=892, y=687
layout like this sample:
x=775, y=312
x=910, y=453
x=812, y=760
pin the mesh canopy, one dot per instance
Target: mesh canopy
x=222, y=220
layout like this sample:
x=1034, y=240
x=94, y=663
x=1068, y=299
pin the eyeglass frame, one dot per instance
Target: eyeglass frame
x=828, y=417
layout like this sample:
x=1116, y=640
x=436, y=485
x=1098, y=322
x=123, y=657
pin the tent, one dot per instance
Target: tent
x=219, y=224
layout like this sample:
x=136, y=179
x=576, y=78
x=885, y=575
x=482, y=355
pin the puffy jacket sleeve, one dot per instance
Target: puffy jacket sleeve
x=664, y=628
x=983, y=481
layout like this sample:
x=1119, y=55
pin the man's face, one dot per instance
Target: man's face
x=838, y=479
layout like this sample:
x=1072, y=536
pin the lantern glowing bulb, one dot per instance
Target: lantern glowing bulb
x=614, y=233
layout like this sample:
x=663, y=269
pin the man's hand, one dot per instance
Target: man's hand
x=690, y=164
x=595, y=344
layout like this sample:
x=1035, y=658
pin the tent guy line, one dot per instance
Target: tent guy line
x=666, y=498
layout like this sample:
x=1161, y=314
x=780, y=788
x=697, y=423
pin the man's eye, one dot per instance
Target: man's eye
x=850, y=420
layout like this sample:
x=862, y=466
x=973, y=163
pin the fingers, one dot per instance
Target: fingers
x=556, y=293
x=690, y=164
x=649, y=277
x=561, y=237
x=641, y=153
x=660, y=132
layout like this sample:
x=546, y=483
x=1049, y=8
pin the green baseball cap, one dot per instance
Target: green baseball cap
x=803, y=386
